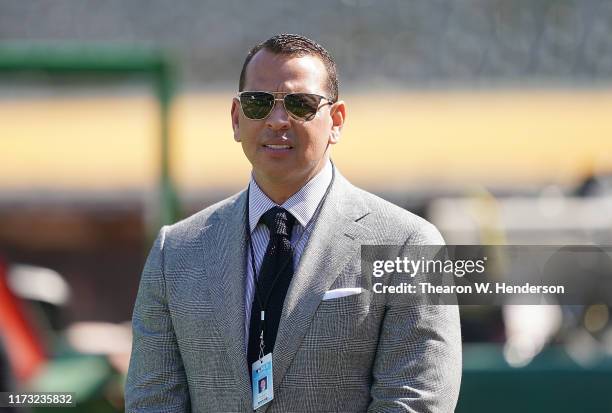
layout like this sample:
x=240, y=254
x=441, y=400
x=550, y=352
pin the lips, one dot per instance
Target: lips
x=271, y=146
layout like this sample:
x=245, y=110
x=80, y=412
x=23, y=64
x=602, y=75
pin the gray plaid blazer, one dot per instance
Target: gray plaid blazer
x=358, y=353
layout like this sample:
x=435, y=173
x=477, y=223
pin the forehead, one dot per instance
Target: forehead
x=268, y=71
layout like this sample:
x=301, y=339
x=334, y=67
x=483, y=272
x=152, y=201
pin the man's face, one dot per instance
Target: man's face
x=281, y=149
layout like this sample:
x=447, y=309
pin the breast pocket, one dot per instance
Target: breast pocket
x=339, y=320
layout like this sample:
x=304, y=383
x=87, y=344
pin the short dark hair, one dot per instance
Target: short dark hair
x=296, y=45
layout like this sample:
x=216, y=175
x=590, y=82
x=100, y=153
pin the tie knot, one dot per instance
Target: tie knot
x=279, y=221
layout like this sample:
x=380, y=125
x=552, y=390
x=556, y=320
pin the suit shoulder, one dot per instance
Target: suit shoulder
x=397, y=224
x=190, y=227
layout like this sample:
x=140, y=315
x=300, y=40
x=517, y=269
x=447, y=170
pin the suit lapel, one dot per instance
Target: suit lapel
x=335, y=238
x=224, y=243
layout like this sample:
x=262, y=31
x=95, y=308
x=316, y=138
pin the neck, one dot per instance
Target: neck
x=280, y=191
x=278, y=195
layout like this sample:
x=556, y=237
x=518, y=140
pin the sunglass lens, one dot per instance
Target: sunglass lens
x=256, y=105
x=302, y=105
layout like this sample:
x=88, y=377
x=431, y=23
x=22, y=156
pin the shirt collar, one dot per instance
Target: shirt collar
x=302, y=205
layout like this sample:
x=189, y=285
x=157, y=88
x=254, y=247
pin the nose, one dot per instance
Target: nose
x=278, y=119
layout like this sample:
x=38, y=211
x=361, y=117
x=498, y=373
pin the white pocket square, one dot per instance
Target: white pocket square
x=341, y=292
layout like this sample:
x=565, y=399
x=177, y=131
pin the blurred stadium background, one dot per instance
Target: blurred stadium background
x=492, y=118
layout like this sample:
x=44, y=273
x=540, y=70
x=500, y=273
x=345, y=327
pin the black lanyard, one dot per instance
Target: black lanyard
x=264, y=304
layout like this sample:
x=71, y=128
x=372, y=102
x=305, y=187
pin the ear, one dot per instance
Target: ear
x=338, y=116
x=235, y=119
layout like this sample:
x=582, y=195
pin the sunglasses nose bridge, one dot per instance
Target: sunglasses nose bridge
x=274, y=105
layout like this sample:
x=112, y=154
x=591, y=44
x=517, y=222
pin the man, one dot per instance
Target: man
x=263, y=385
x=205, y=331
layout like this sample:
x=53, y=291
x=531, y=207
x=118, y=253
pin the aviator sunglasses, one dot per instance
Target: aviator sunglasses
x=301, y=106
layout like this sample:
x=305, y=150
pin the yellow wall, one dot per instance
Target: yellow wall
x=401, y=139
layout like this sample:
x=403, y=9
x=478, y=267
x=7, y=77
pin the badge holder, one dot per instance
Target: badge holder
x=261, y=376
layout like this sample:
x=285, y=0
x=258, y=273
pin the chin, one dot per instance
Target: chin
x=280, y=175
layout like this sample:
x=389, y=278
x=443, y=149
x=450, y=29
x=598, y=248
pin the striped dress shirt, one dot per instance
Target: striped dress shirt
x=302, y=205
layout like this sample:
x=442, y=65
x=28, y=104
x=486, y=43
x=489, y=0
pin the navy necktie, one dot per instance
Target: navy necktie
x=273, y=280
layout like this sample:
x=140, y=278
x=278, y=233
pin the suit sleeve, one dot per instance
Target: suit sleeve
x=417, y=367
x=156, y=380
